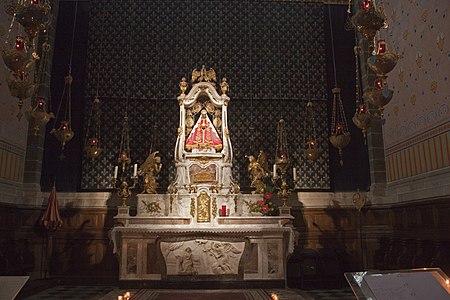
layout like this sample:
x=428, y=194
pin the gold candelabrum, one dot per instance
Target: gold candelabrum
x=284, y=191
x=124, y=189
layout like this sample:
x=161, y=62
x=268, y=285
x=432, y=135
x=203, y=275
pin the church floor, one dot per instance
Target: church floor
x=110, y=292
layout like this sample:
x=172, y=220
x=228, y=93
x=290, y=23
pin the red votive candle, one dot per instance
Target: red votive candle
x=224, y=210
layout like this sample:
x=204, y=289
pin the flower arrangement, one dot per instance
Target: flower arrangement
x=266, y=205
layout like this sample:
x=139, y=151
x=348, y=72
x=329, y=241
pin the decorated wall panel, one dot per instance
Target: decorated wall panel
x=140, y=50
x=418, y=117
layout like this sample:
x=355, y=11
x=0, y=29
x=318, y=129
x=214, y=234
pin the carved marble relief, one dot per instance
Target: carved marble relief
x=202, y=257
x=132, y=258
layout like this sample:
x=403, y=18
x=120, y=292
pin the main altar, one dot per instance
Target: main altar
x=203, y=228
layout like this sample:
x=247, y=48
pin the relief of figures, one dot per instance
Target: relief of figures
x=202, y=257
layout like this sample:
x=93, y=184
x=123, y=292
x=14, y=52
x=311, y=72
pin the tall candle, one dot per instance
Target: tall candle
x=224, y=210
x=274, y=170
x=116, y=169
x=294, y=173
x=135, y=170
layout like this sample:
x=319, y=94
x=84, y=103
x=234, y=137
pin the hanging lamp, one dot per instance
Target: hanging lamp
x=37, y=115
x=312, y=150
x=92, y=145
x=362, y=117
x=340, y=136
x=64, y=132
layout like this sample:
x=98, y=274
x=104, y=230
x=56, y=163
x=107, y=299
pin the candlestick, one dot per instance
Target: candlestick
x=274, y=170
x=116, y=169
x=294, y=174
x=135, y=170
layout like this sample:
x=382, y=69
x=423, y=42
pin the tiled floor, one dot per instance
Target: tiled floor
x=110, y=292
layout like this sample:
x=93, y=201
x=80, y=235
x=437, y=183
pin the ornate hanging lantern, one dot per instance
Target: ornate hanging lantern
x=340, y=136
x=383, y=61
x=379, y=95
x=124, y=152
x=312, y=151
x=38, y=116
x=92, y=147
x=362, y=118
x=368, y=20
x=33, y=15
x=64, y=132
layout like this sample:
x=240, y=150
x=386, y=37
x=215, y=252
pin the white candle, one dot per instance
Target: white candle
x=135, y=170
x=294, y=173
x=274, y=170
x=116, y=169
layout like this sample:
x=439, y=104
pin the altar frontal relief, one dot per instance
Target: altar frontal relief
x=202, y=257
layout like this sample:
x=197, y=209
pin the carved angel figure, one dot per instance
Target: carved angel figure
x=222, y=253
x=203, y=75
x=149, y=169
x=258, y=169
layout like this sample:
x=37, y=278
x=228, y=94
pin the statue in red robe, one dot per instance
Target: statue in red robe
x=203, y=137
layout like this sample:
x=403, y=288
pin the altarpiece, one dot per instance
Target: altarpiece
x=202, y=229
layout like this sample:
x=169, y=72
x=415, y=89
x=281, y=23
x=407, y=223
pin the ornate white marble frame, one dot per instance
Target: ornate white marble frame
x=184, y=159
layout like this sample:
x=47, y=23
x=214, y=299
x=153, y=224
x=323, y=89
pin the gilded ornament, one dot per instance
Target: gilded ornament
x=183, y=86
x=203, y=207
x=214, y=207
x=210, y=107
x=224, y=86
x=203, y=75
x=359, y=200
x=151, y=207
x=192, y=207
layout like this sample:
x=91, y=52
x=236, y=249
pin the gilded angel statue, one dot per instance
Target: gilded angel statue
x=149, y=169
x=258, y=169
x=203, y=75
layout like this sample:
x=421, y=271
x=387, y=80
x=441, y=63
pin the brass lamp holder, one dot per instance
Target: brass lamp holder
x=283, y=188
x=124, y=190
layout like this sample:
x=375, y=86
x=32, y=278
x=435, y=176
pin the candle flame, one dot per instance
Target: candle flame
x=274, y=296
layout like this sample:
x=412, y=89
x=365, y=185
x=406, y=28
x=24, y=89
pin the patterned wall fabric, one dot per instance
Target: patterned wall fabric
x=418, y=117
x=140, y=50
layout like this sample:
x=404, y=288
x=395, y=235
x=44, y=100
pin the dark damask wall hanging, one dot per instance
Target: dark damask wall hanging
x=261, y=47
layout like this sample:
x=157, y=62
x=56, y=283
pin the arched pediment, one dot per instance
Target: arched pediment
x=200, y=91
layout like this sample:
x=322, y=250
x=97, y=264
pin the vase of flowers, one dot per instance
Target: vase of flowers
x=266, y=205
